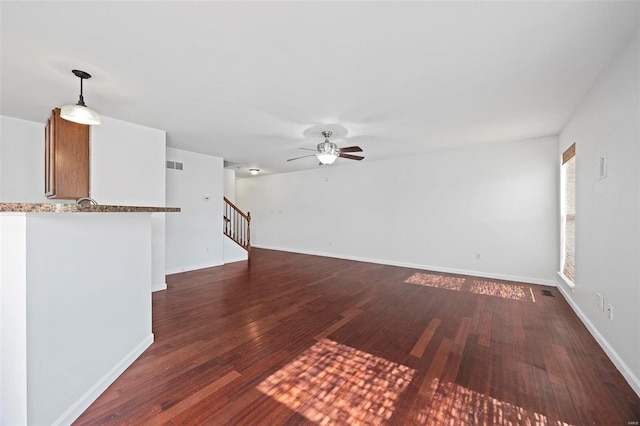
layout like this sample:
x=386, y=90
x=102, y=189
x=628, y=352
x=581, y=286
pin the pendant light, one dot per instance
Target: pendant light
x=79, y=113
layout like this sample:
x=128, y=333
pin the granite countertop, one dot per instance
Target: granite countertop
x=76, y=208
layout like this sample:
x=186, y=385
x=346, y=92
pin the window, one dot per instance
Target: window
x=568, y=213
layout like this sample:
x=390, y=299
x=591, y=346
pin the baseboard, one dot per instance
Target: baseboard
x=624, y=369
x=227, y=261
x=192, y=268
x=495, y=276
x=159, y=287
x=96, y=390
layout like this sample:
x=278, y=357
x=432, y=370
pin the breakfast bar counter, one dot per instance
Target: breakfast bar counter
x=79, y=208
x=75, y=292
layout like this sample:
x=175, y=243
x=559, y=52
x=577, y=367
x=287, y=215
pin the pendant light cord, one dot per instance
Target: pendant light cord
x=81, y=100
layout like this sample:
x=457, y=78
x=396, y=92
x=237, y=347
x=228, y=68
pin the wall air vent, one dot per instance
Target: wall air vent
x=175, y=165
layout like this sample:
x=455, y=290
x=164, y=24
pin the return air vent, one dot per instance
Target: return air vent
x=176, y=165
x=547, y=293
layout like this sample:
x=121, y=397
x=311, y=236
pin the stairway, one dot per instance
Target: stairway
x=237, y=225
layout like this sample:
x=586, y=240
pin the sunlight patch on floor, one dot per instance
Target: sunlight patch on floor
x=438, y=281
x=506, y=291
x=487, y=288
x=453, y=404
x=332, y=384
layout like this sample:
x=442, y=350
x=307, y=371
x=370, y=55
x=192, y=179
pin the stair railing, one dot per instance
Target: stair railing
x=237, y=225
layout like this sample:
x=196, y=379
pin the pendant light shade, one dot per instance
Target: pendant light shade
x=79, y=113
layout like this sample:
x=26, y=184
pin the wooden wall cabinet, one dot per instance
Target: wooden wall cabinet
x=66, y=158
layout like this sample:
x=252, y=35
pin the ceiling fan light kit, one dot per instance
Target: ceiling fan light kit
x=327, y=151
x=79, y=112
x=327, y=158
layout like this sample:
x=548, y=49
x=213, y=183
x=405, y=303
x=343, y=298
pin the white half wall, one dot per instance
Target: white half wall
x=608, y=210
x=233, y=252
x=194, y=238
x=435, y=211
x=76, y=290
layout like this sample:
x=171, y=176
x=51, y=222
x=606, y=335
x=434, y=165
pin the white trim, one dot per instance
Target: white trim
x=192, y=268
x=158, y=287
x=516, y=278
x=226, y=262
x=96, y=390
x=566, y=281
x=624, y=369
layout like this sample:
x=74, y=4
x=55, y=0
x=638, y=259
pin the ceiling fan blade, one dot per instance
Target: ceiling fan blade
x=304, y=156
x=309, y=149
x=351, y=157
x=351, y=149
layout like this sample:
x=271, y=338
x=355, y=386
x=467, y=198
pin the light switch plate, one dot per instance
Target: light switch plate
x=602, y=166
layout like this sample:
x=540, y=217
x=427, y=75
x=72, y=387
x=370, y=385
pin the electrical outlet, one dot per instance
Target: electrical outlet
x=610, y=312
x=478, y=256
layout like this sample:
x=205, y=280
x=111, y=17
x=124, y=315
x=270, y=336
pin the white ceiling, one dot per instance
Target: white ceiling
x=246, y=80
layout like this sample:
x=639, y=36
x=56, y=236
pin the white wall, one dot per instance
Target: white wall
x=230, y=184
x=22, y=161
x=127, y=168
x=434, y=211
x=608, y=211
x=127, y=164
x=194, y=236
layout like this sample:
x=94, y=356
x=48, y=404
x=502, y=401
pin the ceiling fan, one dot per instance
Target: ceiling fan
x=327, y=152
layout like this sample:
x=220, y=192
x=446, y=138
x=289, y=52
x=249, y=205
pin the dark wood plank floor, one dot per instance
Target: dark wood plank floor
x=296, y=339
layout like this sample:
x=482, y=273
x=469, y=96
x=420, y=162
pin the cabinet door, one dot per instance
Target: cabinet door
x=67, y=162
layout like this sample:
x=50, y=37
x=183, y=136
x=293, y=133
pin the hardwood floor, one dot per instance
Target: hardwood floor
x=297, y=339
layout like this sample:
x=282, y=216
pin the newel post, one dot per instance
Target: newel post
x=249, y=229
x=248, y=235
